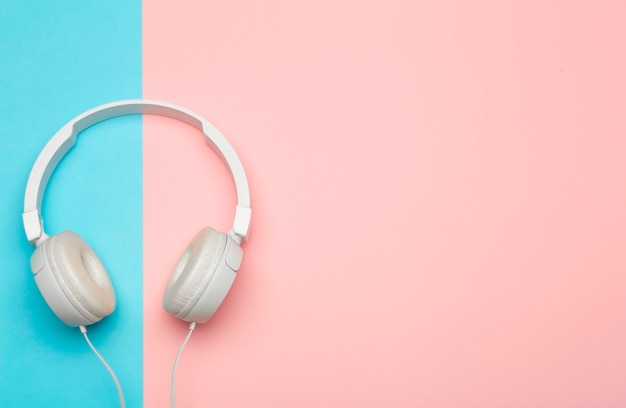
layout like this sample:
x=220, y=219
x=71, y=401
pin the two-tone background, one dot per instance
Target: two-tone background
x=438, y=192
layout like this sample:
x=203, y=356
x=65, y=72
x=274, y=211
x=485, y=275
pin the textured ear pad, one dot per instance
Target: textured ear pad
x=80, y=274
x=194, y=271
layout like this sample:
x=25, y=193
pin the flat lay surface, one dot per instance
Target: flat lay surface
x=438, y=211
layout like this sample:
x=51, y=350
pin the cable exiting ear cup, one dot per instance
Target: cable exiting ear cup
x=72, y=279
x=202, y=276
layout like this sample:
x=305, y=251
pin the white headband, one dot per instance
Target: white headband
x=65, y=139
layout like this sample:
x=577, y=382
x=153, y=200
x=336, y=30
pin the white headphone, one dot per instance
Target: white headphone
x=70, y=276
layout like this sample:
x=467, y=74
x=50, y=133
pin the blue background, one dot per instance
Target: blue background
x=58, y=59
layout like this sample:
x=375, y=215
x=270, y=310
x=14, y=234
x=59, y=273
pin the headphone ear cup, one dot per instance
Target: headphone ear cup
x=194, y=271
x=73, y=280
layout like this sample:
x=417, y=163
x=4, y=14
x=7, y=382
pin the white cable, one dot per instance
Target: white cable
x=83, y=330
x=180, y=352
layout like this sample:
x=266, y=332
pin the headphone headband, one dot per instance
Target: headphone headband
x=65, y=139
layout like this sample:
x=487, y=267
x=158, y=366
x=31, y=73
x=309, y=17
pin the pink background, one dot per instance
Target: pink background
x=438, y=196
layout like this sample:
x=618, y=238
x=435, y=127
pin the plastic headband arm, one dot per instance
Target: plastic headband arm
x=65, y=139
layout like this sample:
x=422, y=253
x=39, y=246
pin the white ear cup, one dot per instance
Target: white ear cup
x=203, y=276
x=194, y=271
x=72, y=279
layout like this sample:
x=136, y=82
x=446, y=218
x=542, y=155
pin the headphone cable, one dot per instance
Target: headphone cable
x=180, y=352
x=83, y=330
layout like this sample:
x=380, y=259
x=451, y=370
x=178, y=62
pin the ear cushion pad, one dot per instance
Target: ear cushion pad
x=194, y=271
x=80, y=274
